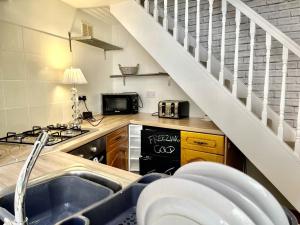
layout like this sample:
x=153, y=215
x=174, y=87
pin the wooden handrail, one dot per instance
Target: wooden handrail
x=267, y=26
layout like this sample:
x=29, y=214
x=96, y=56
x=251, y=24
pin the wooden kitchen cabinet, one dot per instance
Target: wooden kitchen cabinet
x=208, y=147
x=117, y=148
x=188, y=156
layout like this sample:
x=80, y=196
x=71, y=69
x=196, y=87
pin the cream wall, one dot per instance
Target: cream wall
x=32, y=65
x=133, y=54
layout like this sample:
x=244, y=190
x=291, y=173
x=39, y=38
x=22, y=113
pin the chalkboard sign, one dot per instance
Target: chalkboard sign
x=160, y=142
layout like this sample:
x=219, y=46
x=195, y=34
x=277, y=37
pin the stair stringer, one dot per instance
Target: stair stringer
x=260, y=145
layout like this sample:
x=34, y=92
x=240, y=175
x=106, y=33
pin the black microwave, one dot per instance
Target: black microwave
x=120, y=103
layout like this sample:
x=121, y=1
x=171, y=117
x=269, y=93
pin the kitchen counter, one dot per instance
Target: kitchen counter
x=53, y=158
x=11, y=153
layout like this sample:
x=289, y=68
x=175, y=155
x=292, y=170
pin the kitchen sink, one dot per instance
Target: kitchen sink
x=54, y=197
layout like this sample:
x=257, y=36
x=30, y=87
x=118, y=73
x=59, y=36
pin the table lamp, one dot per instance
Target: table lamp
x=74, y=76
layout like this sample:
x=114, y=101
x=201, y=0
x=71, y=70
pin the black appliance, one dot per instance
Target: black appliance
x=94, y=150
x=57, y=134
x=173, y=109
x=120, y=103
x=160, y=150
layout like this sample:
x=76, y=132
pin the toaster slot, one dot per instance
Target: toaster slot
x=163, y=108
x=172, y=109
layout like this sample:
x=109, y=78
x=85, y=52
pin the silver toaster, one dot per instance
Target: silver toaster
x=175, y=109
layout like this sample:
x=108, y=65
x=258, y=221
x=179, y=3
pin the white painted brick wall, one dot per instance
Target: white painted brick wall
x=285, y=15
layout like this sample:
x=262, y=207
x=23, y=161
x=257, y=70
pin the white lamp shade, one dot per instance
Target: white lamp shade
x=74, y=76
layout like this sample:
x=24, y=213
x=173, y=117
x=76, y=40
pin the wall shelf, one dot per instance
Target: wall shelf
x=96, y=43
x=142, y=75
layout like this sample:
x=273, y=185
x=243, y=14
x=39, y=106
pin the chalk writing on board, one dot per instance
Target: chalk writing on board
x=164, y=149
x=154, y=139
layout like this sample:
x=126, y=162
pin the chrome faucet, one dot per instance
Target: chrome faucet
x=20, y=191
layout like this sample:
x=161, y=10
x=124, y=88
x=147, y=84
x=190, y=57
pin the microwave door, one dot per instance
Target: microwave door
x=115, y=105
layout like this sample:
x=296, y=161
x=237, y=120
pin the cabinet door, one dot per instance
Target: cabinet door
x=117, y=148
x=118, y=158
x=188, y=156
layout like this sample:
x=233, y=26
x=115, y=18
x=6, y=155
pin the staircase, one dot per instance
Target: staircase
x=260, y=133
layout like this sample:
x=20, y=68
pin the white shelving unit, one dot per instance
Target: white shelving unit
x=134, y=147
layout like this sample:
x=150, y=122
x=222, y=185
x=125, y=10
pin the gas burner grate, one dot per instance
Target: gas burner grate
x=57, y=133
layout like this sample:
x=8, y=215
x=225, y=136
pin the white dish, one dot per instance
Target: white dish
x=180, y=190
x=253, y=211
x=180, y=211
x=242, y=183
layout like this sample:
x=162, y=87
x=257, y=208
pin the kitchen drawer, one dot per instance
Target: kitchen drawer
x=203, y=142
x=115, y=138
x=188, y=156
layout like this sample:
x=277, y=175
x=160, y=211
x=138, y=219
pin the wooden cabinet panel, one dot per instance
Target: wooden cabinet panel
x=203, y=142
x=188, y=156
x=115, y=138
x=118, y=157
x=117, y=148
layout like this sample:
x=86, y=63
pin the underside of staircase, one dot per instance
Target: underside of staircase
x=273, y=157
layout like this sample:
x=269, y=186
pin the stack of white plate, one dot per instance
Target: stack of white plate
x=205, y=193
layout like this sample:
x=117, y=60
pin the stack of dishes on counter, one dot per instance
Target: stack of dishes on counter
x=208, y=194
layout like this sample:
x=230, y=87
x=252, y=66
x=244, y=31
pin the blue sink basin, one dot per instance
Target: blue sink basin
x=53, y=200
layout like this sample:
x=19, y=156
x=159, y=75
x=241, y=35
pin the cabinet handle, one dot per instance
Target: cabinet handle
x=200, y=143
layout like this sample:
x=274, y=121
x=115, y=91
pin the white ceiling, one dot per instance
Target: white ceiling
x=101, y=13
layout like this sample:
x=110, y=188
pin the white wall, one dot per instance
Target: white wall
x=133, y=54
x=32, y=65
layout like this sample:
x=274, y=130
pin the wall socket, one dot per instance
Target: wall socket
x=150, y=94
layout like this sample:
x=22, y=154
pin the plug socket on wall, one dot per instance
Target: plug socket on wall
x=82, y=98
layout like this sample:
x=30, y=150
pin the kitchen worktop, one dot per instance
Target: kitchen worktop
x=11, y=153
x=12, y=156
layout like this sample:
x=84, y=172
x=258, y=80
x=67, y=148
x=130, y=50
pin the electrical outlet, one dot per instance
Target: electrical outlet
x=150, y=94
x=82, y=98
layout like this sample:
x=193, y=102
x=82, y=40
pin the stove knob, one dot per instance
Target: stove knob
x=93, y=149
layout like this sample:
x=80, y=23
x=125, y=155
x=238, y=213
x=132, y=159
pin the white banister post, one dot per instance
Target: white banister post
x=224, y=13
x=264, y=114
x=186, y=25
x=211, y=2
x=285, y=54
x=197, y=50
x=165, y=21
x=297, y=140
x=236, y=52
x=250, y=72
x=175, y=29
x=155, y=11
x=146, y=5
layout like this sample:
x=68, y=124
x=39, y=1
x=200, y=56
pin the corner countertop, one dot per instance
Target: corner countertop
x=55, y=157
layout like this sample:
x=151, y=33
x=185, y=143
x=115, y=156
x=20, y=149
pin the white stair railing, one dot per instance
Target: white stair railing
x=211, y=2
x=197, y=49
x=272, y=33
x=264, y=115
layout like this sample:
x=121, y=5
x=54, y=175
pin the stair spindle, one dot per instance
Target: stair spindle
x=146, y=5
x=165, y=21
x=197, y=50
x=175, y=29
x=250, y=71
x=264, y=114
x=224, y=13
x=285, y=53
x=297, y=141
x=236, y=52
x=155, y=11
x=186, y=25
x=211, y=2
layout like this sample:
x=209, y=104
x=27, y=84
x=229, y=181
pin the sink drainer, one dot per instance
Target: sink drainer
x=126, y=218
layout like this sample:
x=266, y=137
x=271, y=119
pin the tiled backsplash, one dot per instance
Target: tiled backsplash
x=31, y=71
